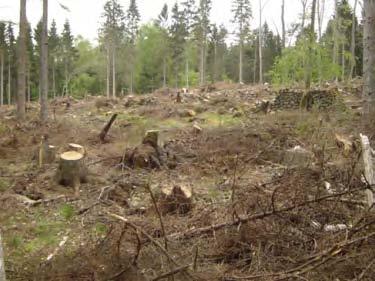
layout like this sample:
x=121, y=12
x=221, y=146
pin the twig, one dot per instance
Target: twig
x=365, y=270
x=171, y=273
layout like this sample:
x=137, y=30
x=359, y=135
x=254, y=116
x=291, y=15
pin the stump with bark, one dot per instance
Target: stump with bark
x=47, y=153
x=72, y=170
x=176, y=199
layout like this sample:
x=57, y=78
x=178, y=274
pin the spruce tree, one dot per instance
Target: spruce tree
x=3, y=49
x=202, y=31
x=54, y=46
x=11, y=56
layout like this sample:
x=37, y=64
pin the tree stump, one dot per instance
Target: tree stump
x=151, y=138
x=196, y=129
x=78, y=148
x=71, y=171
x=177, y=199
x=178, y=98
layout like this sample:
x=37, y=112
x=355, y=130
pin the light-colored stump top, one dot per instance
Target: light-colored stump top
x=71, y=156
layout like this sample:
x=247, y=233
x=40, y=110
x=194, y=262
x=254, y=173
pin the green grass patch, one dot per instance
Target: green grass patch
x=67, y=212
x=214, y=119
x=4, y=184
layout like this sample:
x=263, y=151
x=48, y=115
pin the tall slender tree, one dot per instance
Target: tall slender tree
x=21, y=65
x=162, y=22
x=44, y=66
x=69, y=54
x=189, y=14
x=54, y=47
x=353, y=41
x=283, y=31
x=241, y=16
x=310, y=48
x=369, y=61
x=11, y=46
x=3, y=48
x=203, y=24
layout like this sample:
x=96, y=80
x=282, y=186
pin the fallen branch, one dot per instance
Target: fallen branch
x=30, y=202
x=106, y=128
x=171, y=273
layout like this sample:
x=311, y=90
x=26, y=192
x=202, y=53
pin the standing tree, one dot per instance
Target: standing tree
x=203, y=24
x=3, y=48
x=189, y=15
x=111, y=34
x=241, y=16
x=21, y=66
x=311, y=46
x=353, y=41
x=68, y=55
x=44, y=66
x=283, y=36
x=162, y=22
x=132, y=26
x=30, y=62
x=369, y=61
x=11, y=46
x=54, y=44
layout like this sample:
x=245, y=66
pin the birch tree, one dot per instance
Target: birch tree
x=241, y=17
x=21, y=65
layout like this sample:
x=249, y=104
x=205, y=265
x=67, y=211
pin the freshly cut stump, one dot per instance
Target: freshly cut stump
x=177, y=199
x=71, y=171
x=78, y=148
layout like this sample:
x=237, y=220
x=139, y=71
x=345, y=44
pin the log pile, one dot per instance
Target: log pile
x=289, y=99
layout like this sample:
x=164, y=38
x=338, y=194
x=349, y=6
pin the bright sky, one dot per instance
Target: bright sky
x=85, y=15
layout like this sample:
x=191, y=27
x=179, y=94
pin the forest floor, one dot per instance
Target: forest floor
x=255, y=215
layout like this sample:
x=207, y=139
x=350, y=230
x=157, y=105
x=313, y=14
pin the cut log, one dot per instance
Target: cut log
x=176, y=199
x=78, y=148
x=106, y=128
x=151, y=138
x=71, y=171
x=47, y=153
x=369, y=168
x=2, y=265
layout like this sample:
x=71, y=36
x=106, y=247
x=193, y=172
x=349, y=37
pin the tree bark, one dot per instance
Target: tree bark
x=240, y=63
x=28, y=85
x=2, y=79
x=353, y=42
x=108, y=72
x=311, y=42
x=2, y=266
x=321, y=11
x=260, y=35
x=22, y=52
x=369, y=61
x=53, y=79
x=44, y=66
x=283, y=23
x=9, y=82
x=335, y=34
x=164, y=72
x=369, y=167
x=113, y=73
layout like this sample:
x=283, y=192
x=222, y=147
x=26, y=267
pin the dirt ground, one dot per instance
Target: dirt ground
x=255, y=215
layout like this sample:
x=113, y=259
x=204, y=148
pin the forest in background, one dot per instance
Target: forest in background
x=182, y=48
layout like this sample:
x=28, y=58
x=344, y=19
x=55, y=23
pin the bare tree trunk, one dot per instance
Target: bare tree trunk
x=21, y=66
x=283, y=23
x=311, y=42
x=108, y=72
x=53, y=79
x=353, y=43
x=343, y=61
x=2, y=79
x=9, y=82
x=113, y=73
x=304, y=8
x=321, y=4
x=2, y=266
x=240, y=64
x=369, y=61
x=260, y=35
x=131, y=82
x=202, y=74
x=187, y=74
x=164, y=72
x=44, y=66
x=336, y=34
x=28, y=85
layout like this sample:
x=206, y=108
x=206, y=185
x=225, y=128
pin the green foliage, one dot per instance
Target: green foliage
x=67, y=211
x=4, y=184
x=100, y=229
x=290, y=67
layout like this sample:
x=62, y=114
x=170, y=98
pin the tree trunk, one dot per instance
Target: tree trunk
x=260, y=44
x=369, y=61
x=187, y=74
x=108, y=72
x=22, y=52
x=9, y=82
x=343, y=62
x=321, y=11
x=240, y=63
x=2, y=79
x=353, y=43
x=44, y=66
x=369, y=167
x=2, y=266
x=202, y=74
x=113, y=73
x=335, y=34
x=28, y=85
x=164, y=72
x=283, y=23
x=53, y=79
x=311, y=42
